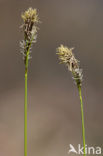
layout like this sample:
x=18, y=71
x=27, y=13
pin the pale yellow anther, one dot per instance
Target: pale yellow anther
x=30, y=14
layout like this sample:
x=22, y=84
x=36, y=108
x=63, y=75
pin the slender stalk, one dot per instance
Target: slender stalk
x=25, y=108
x=82, y=116
x=25, y=105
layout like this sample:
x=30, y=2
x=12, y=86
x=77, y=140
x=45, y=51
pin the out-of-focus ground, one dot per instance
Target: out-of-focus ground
x=54, y=117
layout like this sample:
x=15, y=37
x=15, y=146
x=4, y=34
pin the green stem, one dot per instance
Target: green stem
x=25, y=107
x=82, y=115
x=25, y=104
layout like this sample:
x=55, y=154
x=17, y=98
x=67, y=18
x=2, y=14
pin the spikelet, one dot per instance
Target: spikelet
x=30, y=19
x=67, y=57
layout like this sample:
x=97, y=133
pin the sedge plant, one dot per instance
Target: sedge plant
x=30, y=21
x=67, y=57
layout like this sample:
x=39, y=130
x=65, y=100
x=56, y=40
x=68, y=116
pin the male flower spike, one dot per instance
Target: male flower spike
x=67, y=57
x=30, y=19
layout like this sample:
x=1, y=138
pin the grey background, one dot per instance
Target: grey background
x=54, y=117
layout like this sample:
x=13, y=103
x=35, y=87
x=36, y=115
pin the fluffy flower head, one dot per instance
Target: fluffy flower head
x=67, y=57
x=30, y=21
x=30, y=14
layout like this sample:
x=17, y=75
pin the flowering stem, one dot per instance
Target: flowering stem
x=25, y=107
x=67, y=57
x=30, y=19
x=82, y=116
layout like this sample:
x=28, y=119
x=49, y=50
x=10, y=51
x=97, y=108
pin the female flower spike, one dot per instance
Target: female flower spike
x=67, y=57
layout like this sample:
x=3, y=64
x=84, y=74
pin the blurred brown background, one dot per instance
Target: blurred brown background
x=54, y=117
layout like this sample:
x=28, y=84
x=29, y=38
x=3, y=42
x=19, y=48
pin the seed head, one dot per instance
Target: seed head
x=67, y=57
